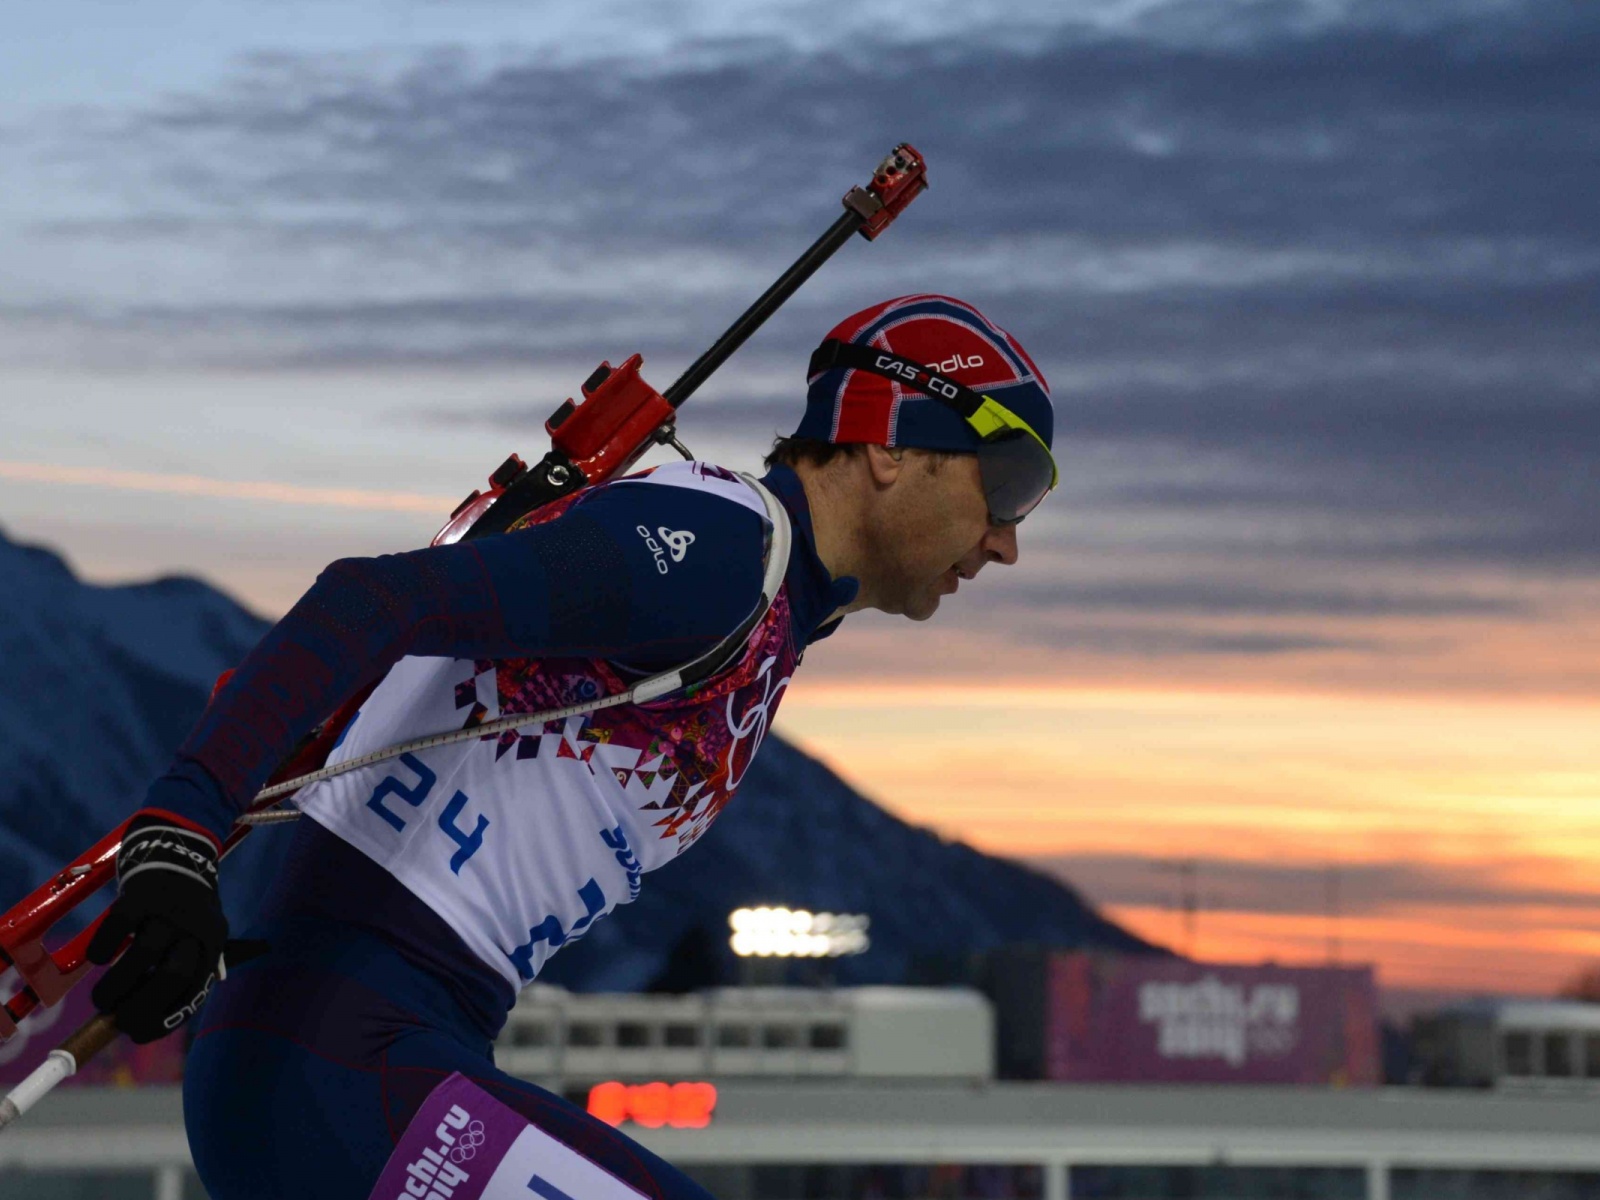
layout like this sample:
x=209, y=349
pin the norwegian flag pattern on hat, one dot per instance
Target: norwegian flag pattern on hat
x=940, y=332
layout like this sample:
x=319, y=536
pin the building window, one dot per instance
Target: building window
x=734, y=1037
x=1516, y=1054
x=586, y=1034
x=1212, y=1182
x=780, y=1037
x=74, y=1185
x=1433, y=1183
x=1558, y=1055
x=633, y=1035
x=681, y=1036
x=1591, y=1056
x=827, y=1037
x=530, y=1033
x=859, y=1181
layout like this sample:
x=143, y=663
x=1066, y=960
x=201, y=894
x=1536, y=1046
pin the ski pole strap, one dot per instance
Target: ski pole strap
x=697, y=670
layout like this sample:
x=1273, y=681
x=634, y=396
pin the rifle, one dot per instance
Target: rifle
x=593, y=439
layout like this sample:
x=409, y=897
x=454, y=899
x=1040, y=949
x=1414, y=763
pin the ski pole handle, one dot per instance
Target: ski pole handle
x=93, y=1036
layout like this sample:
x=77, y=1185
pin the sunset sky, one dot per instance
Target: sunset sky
x=1316, y=284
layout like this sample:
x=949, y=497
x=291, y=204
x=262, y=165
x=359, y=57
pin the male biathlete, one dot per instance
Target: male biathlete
x=422, y=892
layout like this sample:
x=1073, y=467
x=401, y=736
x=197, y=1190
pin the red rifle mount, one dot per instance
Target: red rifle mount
x=594, y=439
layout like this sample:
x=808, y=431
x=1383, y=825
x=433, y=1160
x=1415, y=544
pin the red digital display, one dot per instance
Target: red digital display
x=679, y=1105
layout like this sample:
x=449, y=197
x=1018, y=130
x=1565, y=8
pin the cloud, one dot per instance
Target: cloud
x=1316, y=279
x=1198, y=596
x=1331, y=139
x=261, y=491
x=1121, y=641
x=1361, y=888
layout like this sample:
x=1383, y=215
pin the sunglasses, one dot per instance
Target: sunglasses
x=1016, y=466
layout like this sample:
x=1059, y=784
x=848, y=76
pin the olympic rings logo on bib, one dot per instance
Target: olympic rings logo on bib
x=467, y=1142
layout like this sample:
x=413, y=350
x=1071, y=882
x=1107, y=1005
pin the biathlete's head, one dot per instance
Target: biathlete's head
x=925, y=441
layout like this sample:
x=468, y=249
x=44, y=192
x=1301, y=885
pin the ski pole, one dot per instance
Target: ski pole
x=93, y=1036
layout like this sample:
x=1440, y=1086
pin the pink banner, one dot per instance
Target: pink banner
x=1127, y=1019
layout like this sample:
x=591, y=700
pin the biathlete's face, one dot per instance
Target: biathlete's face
x=935, y=533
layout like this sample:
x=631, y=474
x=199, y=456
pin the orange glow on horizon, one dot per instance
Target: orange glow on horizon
x=1513, y=953
x=228, y=489
x=1463, y=749
x=1483, y=811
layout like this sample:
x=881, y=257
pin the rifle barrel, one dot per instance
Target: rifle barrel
x=753, y=317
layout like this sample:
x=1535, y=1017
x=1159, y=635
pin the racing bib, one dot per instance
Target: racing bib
x=521, y=840
x=463, y=1144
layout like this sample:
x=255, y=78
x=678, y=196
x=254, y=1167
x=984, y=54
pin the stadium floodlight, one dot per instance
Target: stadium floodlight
x=777, y=932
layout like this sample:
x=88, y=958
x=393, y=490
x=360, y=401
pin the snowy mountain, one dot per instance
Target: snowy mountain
x=97, y=686
x=799, y=835
x=100, y=683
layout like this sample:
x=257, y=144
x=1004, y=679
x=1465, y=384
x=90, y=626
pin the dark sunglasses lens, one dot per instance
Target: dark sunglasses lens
x=1016, y=473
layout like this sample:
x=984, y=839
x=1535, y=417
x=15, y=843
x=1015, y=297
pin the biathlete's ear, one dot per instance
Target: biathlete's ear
x=884, y=463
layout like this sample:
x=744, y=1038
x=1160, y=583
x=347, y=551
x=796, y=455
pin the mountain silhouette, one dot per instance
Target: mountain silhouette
x=101, y=683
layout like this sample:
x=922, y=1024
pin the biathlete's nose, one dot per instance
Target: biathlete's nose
x=1000, y=544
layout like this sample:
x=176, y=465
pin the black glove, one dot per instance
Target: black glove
x=167, y=900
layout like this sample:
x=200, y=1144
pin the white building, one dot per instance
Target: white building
x=887, y=1094
x=562, y=1040
x=992, y=1141
x=1537, y=1045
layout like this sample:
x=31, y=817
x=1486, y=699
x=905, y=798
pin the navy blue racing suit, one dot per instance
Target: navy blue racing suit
x=308, y=1062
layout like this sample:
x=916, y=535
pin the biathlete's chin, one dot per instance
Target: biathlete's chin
x=928, y=603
